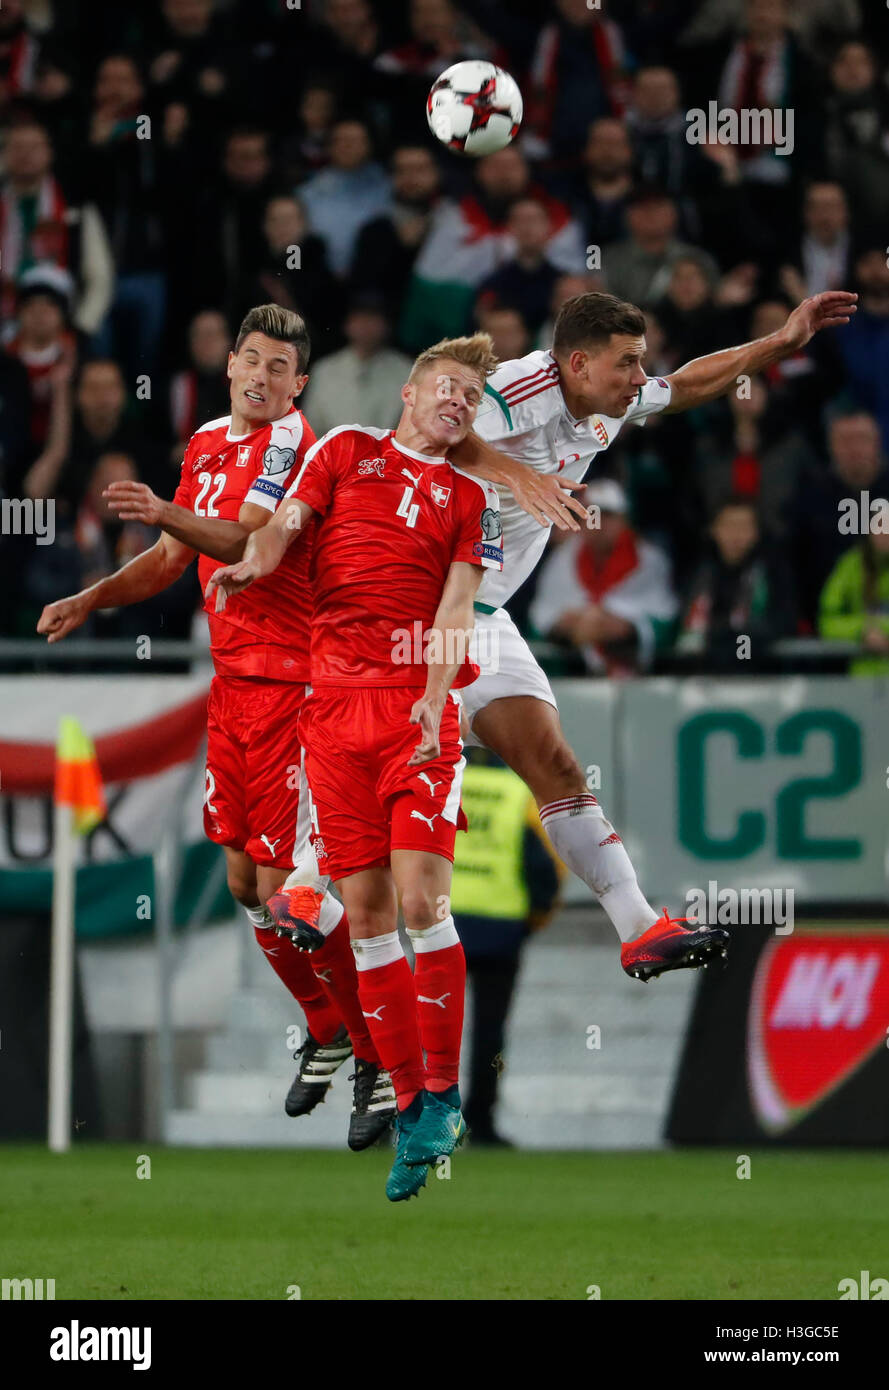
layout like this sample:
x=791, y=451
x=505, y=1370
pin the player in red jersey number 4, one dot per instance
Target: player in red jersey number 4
x=401, y=542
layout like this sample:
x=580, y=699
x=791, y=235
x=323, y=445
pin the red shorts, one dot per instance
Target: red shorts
x=254, y=769
x=366, y=801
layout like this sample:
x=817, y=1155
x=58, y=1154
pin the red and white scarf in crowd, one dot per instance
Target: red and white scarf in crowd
x=607, y=44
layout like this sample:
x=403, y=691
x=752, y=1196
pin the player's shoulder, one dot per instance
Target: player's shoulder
x=474, y=490
x=208, y=437
x=523, y=390
x=344, y=440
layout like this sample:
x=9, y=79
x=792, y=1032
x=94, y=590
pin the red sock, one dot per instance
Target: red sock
x=334, y=967
x=440, y=985
x=387, y=1002
x=293, y=968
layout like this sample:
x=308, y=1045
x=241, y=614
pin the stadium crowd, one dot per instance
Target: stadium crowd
x=169, y=163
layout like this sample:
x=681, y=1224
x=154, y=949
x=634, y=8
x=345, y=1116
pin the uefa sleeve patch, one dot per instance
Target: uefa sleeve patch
x=488, y=554
x=276, y=460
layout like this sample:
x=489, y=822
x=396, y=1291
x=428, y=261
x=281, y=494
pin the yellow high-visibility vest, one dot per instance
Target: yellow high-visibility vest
x=489, y=877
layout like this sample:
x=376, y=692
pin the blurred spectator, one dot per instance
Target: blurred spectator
x=823, y=259
x=347, y=45
x=505, y=886
x=293, y=273
x=857, y=137
x=604, y=184
x=103, y=541
x=742, y=589
x=308, y=148
x=38, y=225
x=811, y=19
x=200, y=392
x=123, y=175
x=577, y=75
x=854, y=604
x=657, y=125
x=508, y=331
x=639, y=268
x=439, y=36
x=347, y=194
x=187, y=59
x=46, y=348
x=690, y=318
x=362, y=383
x=19, y=50
x=387, y=246
x=16, y=450
x=756, y=451
x=526, y=281
x=864, y=343
x=607, y=592
x=857, y=464
x=468, y=240
x=565, y=288
x=227, y=239
x=101, y=426
x=765, y=69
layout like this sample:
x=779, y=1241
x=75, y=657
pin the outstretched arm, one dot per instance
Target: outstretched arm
x=221, y=540
x=708, y=377
x=263, y=552
x=544, y=496
x=148, y=574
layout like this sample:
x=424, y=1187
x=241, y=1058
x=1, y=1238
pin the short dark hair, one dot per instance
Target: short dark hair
x=282, y=324
x=588, y=320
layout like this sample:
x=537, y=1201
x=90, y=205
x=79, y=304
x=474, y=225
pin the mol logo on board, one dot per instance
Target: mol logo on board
x=819, y=1007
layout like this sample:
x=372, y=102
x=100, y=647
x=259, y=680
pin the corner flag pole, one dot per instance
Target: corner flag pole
x=79, y=805
x=61, y=979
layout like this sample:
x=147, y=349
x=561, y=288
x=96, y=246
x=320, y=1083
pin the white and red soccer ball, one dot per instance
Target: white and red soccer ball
x=474, y=108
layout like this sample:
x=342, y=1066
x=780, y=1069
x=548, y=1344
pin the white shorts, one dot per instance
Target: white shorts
x=507, y=667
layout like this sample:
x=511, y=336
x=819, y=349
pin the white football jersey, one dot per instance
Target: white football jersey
x=523, y=413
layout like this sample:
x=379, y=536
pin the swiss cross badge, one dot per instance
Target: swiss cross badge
x=243, y=455
x=440, y=494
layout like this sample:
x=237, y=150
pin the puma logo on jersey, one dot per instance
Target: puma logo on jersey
x=427, y=820
x=271, y=843
x=440, y=1001
x=376, y=1013
x=408, y=474
x=323, y=975
x=424, y=777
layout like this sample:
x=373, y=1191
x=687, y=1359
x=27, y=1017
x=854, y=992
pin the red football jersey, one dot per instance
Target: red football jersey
x=391, y=523
x=265, y=630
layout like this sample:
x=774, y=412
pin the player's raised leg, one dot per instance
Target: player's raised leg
x=526, y=733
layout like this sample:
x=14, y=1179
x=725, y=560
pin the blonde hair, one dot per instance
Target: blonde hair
x=476, y=352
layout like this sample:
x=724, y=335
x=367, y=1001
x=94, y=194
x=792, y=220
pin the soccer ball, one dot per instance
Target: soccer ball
x=474, y=108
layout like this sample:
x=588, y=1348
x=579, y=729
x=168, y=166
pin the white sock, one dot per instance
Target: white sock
x=435, y=938
x=372, y=951
x=589, y=845
x=306, y=874
x=259, y=916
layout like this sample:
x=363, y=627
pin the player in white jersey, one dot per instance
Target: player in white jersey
x=555, y=411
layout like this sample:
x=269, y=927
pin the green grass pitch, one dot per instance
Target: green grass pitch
x=236, y=1224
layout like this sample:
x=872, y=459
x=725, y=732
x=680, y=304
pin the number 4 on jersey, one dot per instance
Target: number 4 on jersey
x=408, y=509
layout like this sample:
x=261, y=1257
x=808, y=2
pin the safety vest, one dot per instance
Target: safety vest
x=489, y=873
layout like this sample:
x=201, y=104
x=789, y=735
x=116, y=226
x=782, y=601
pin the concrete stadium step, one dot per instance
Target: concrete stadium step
x=556, y=1093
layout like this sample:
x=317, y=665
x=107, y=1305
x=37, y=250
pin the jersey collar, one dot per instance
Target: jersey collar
x=411, y=453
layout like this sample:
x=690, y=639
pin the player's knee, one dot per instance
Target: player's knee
x=241, y=885
x=419, y=906
x=556, y=770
